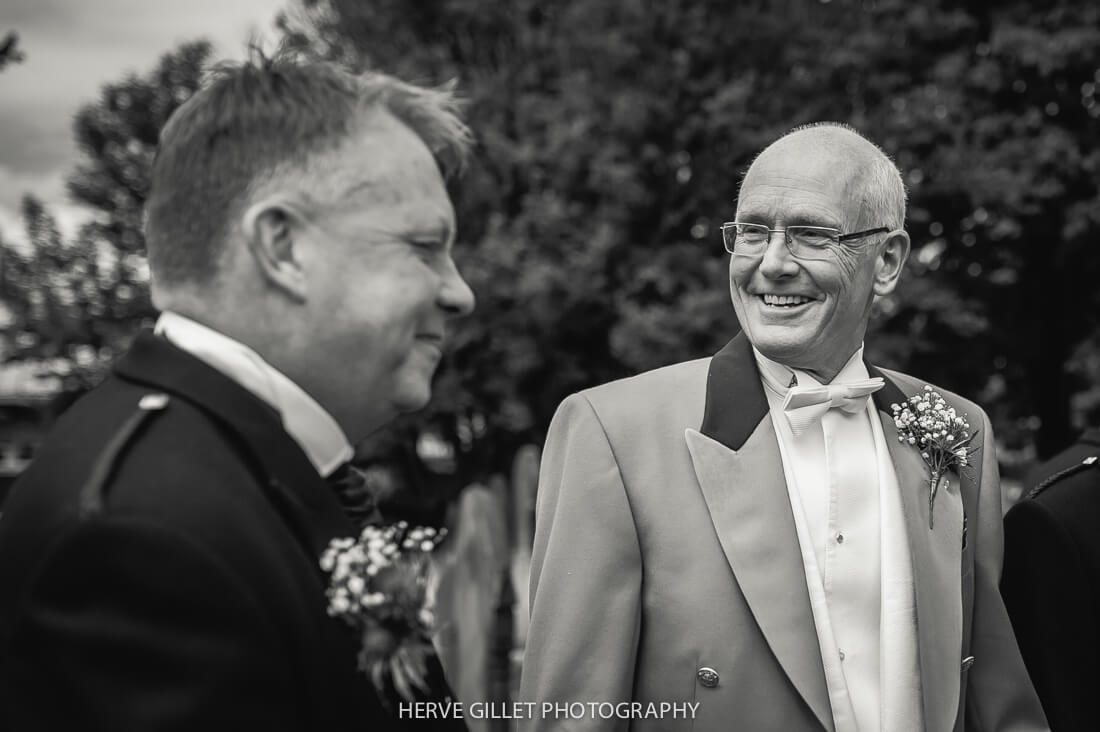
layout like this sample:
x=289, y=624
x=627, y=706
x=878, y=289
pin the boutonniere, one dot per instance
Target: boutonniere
x=378, y=584
x=942, y=436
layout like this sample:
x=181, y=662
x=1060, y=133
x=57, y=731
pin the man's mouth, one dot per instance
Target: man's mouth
x=434, y=339
x=785, y=301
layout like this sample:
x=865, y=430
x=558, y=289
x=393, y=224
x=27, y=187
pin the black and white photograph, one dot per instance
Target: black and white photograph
x=485, y=366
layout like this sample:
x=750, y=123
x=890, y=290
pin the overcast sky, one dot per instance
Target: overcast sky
x=72, y=48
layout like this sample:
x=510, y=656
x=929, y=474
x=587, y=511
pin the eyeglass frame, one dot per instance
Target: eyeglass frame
x=837, y=238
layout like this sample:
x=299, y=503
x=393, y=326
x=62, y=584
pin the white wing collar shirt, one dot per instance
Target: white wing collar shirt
x=314, y=429
x=855, y=551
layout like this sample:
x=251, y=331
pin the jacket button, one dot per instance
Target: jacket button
x=708, y=677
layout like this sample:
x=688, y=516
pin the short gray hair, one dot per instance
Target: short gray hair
x=255, y=119
x=880, y=182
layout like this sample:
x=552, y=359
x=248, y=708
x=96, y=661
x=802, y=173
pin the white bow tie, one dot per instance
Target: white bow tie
x=805, y=405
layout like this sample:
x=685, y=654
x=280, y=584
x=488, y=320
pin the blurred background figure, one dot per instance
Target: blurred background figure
x=587, y=225
x=1051, y=583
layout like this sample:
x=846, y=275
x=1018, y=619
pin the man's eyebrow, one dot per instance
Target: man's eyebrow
x=359, y=186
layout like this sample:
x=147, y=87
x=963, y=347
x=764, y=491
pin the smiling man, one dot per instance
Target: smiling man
x=160, y=558
x=746, y=532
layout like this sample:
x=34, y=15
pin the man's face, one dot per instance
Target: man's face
x=383, y=287
x=807, y=314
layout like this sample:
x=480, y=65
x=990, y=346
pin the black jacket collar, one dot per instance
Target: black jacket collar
x=291, y=480
x=736, y=402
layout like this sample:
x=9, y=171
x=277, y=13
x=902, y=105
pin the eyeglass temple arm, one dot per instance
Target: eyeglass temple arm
x=861, y=234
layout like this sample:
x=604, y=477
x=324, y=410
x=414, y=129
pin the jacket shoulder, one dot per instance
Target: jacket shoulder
x=1080, y=478
x=665, y=381
x=128, y=448
x=669, y=394
x=91, y=496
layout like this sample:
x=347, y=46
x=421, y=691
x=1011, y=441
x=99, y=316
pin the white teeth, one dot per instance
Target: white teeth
x=785, y=299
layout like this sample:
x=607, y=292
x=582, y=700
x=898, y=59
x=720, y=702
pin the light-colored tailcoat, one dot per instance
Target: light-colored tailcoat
x=665, y=544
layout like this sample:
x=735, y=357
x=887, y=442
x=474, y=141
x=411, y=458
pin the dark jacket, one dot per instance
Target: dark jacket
x=159, y=567
x=1051, y=584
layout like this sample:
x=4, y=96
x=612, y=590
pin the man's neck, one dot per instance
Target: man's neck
x=307, y=422
x=821, y=375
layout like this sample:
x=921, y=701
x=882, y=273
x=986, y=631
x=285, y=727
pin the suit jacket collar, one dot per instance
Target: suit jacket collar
x=735, y=396
x=311, y=426
x=290, y=480
x=736, y=458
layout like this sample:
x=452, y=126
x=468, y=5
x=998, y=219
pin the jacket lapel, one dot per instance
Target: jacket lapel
x=736, y=458
x=289, y=479
x=937, y=566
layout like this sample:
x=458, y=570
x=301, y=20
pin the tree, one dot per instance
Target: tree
x=997, y=130
x=613, y=138
x=60, y=297
x=79, y=303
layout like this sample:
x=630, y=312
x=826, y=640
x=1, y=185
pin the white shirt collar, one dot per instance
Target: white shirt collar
x=314, y=429
x=778, y=377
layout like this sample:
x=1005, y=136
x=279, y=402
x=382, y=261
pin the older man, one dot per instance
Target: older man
x=742, y=542
x=160, y=559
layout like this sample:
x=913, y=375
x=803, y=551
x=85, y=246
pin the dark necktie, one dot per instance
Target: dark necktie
x=350, y=486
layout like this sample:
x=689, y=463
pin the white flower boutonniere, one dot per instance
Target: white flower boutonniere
x=379, y=585
x=942, y=436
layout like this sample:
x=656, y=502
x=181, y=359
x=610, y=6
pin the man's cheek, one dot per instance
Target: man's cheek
x=847, y=261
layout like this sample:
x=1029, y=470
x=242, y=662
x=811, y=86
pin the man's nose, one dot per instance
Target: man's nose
x=778, y=260
x=455, y=296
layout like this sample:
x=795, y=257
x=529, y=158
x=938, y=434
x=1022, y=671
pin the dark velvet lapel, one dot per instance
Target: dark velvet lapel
x=735, y=396
x=740, y=472
x=292, y=483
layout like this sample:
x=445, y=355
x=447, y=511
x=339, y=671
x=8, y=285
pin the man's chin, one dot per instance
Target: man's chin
x=787, y=351
x=412, y=398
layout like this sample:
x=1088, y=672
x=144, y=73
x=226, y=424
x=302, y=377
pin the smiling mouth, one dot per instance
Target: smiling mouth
x=785, y=301
x=431, y=339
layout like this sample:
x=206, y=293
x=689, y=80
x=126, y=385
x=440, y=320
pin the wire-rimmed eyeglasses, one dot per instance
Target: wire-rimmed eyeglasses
x=804, y=242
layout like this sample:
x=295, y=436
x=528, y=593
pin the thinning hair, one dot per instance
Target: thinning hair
x=261, y=121
x=874, y=177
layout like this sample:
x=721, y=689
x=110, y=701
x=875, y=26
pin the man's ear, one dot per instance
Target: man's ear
x=275, y=229
x=891, y=260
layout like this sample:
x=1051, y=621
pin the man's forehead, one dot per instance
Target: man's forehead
x=825, y=139
x=824, y=157
x=807, y=153
x=385, y=171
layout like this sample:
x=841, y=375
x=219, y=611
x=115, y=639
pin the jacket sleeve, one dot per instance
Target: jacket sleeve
x=1000, y=697
x=586, y=574
x=126, y=626
x=1048, y=597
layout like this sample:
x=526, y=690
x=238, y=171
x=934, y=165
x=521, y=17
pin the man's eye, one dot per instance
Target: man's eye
x=426, y=248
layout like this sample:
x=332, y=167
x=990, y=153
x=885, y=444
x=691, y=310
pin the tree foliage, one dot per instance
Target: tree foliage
x=613, y=137
x=78, y=303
